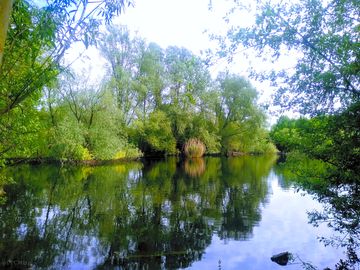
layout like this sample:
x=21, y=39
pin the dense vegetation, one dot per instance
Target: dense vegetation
x=151, y=102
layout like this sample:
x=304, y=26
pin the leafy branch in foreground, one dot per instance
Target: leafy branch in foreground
x=324, y=38
x=38, y=38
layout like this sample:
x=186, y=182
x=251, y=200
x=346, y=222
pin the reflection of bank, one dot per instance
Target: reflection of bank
x=194, y=167
x=338, y=192
x=158, y=215
x=15, y=264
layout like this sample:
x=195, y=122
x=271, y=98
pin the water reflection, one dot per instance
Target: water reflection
x=154, y=215
x=194, y=167
x=338, y=190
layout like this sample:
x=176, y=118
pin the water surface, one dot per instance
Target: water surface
x=211, y=213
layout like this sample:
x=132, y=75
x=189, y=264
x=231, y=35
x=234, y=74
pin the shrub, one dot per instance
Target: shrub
x=120, y=154
x=194, y=148
x=154, y=135
x=133, y=152
x=129, y=152
x=82, y=153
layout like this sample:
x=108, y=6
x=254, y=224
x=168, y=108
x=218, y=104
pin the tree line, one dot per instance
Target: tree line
x=151, y=102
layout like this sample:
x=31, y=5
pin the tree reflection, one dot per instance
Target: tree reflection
x=153, y=215
x=340, y=198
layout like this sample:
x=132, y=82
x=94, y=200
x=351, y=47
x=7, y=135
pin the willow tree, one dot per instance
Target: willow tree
x=239, y=117
x=124, y=53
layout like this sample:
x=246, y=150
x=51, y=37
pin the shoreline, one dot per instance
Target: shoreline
x=44, y=160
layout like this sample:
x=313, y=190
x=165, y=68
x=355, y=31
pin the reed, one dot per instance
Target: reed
x=194, y=148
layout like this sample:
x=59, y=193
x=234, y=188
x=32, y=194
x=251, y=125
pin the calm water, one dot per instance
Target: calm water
x=207, y=213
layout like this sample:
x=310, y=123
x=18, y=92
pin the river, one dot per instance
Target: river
x=210, y=213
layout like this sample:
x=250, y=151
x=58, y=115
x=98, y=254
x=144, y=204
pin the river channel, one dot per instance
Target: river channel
x=209, y=213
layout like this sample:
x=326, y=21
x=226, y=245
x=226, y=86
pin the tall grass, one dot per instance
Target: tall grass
x=194, y=148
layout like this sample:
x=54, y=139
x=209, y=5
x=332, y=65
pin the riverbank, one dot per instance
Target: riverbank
x=94, y=162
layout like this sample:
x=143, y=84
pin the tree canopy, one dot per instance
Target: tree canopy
x=324, y=36
x=152, y=101
x=38, y=37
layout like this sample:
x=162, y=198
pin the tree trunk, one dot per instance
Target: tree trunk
x=5, y=11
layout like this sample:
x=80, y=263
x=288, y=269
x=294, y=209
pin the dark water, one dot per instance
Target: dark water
x=207, y=213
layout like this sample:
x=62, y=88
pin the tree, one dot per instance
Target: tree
x=187, y=79
x=90, y=111
x=22, y=72
x=325, y=38
x=154, y=135
x=124, y=54
x=38, y=38
x=34, y=46
x=5, y=11
x=150, y=79
x=75, y=20
x=239, y=117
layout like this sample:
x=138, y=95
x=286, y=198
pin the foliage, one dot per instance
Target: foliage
x=323, y=36
x=67, y=140
x=38, y=38
x=194, y=148
x=124, y=55
x=19, y=91
x=157, y=89
x=130, y=152
x=261, y=143
x=152, y=103
x=35, y=44
x=332, y=139
x=239, y=118
x=155, y=134
x=104, y=136
x=22, y=72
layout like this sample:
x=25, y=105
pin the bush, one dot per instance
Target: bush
x=129, y=152
x=82, y=153
x=194, y=148
x=133, y=152
x=154, y=135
